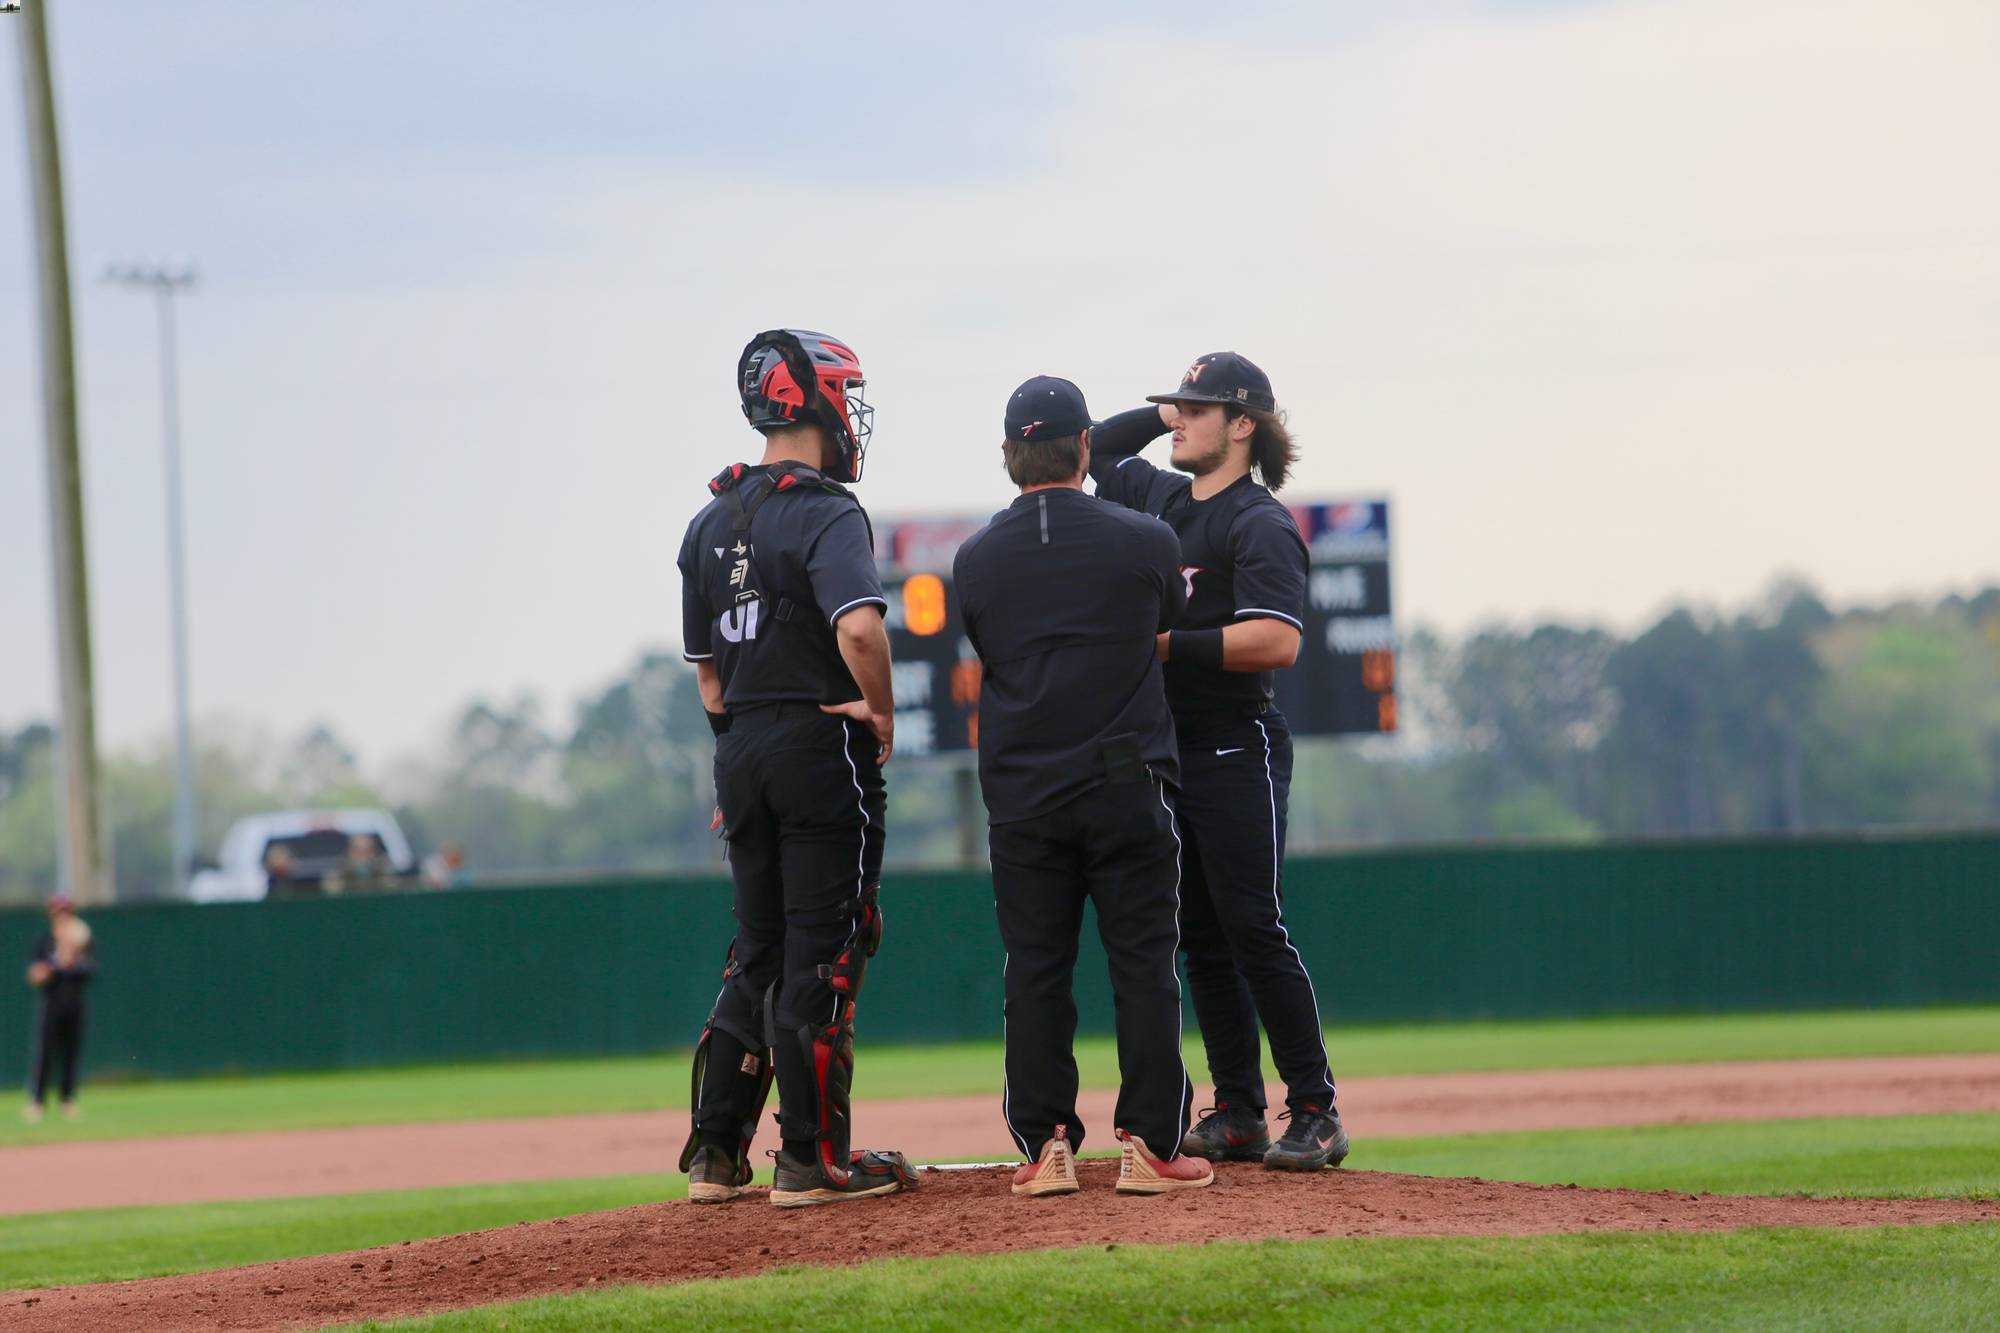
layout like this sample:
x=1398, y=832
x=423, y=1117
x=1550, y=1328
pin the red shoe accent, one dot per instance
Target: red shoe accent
x=1053, y=1172
x=1140, y=1172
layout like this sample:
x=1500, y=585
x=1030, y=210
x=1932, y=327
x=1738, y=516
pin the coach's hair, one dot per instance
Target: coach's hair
x=1040, y=462
x=1272, y=449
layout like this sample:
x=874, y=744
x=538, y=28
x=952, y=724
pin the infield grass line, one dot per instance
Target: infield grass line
x=1891, y=1157
x=110, y=1244
x=572, y=1086
x=1879, y=1278
x=1887, y=1157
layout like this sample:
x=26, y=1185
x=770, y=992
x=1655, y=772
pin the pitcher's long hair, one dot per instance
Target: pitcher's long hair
x=1272, y=449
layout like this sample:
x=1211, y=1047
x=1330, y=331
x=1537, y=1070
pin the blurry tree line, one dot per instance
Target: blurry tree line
x=1782, y=718
x=624, y=786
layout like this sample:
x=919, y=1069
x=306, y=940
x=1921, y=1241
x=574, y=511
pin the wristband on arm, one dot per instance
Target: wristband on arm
x=1196, y=647
x=717, y=722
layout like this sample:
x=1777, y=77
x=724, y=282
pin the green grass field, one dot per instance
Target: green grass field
x=1888, y=1157
x=1880, y=1278
x=105, y=1244
x=224, y=1105
x=1883, y=1278
x=1904, y=1156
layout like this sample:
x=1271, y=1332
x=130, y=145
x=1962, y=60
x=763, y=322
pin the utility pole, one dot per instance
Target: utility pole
x=81, y=823
x=163, y=282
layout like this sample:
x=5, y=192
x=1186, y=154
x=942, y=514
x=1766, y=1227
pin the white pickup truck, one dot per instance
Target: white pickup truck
x=312, y=844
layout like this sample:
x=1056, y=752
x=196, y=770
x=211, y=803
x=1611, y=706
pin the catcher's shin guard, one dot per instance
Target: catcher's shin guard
x=829, y=1050
x=732, y=1068
x=830, y=1060
x=843, y=975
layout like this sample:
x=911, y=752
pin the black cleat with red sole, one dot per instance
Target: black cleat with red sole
x=1314, y=1141
x=1228, y=1134
x=870, y=1173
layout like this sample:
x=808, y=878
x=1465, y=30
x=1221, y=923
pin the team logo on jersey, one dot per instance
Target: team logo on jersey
x=1188, y=572
x=739, y=572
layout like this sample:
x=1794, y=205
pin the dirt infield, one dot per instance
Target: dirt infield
x=953, y=1212
x=205, y=1168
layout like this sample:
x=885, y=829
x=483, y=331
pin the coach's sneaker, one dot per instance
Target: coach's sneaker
x=1054, y=1172
x=1139, y=1172
x=32, y=1113
x=716, y=1175
x=1315, y=1140
x=1228, y=1133
x=799, y=1184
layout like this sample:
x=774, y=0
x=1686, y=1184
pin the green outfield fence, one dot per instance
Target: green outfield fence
x=631, y=965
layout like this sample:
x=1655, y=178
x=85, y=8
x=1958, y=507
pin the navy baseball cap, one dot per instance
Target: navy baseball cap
x=1046, y=408
x=1223, y=377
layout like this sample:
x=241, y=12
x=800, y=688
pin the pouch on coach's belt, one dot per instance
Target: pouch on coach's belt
x=1121, y=757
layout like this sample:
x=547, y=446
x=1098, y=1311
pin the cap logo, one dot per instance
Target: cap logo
x=1243, y=395
x=1193, y=373
x=1030, y=429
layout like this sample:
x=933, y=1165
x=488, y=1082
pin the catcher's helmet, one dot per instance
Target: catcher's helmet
x=789, y=376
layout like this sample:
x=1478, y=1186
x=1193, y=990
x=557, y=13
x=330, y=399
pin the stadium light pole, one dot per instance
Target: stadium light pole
x=82, y=865
x=164, y=282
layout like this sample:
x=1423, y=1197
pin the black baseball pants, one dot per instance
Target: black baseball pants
x=1117, y=846
x=58, y=1041
x=802, y=803
x=1236, y=777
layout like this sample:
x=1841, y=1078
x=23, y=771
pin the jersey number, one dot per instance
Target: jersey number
x=740, y=622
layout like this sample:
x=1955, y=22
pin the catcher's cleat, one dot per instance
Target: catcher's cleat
x=798, y=1184
x=1053, y=1172
x=714, y=1176
x=1228, y=1133
x=1139, y=1172
x=1314, y=1141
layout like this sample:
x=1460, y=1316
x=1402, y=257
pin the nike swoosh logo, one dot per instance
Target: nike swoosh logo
x=1237, y=750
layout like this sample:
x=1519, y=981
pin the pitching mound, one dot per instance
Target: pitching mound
x=955, y=1212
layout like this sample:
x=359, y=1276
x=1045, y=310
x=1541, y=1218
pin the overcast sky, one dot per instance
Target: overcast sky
x=1619, y=302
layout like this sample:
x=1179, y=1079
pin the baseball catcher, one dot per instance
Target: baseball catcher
x=781, y=613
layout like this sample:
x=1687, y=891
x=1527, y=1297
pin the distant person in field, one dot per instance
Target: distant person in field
x=60, y=967
x=279, y=867
x=365, y=866
x=445, y=868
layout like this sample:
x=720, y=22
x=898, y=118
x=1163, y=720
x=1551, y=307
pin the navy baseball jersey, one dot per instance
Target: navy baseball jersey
x=762, y=604
x=64, y=988
x=1241, y=556
x=1063, y=596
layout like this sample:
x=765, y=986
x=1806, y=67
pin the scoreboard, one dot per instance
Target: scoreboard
x=1344, y=682
x=936, y=672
